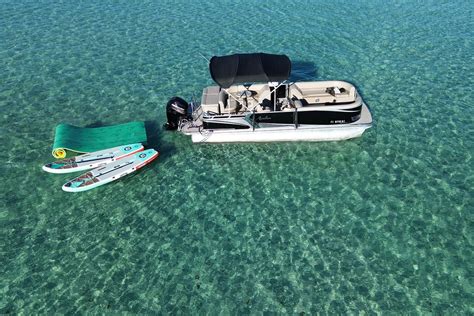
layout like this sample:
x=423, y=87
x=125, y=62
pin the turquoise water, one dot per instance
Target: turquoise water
x=383, y=223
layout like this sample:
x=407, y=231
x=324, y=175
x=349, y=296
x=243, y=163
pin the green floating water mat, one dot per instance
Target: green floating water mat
x=69, y=138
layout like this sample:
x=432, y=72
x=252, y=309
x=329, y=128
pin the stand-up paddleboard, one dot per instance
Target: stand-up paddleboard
x=92, y=160
x=110, y=172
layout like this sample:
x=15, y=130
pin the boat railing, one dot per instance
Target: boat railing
x=213, y=116
x=197, y=111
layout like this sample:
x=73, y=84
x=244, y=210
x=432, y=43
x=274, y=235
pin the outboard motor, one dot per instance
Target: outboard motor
x=176, y=109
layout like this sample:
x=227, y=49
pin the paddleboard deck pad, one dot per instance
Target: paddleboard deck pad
x=92, y=160
x=111, y=172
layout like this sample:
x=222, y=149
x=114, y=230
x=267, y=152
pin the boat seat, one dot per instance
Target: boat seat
x=298, y=103
x=295, y=92
x=232, y=106
x=223, y=97
x=210, y=95
x=262, y=90
x=314, y=92
x=322, y=99
x=266, y=104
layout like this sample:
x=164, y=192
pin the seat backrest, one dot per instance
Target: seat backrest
x=296, y=92
x=263, y=93
x=298, y=103
x=223, y=97
x=352, y=92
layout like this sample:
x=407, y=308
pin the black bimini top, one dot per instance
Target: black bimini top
x=249, y=68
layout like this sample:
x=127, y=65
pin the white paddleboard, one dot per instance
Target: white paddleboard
x=92, y=160
x=110, y=172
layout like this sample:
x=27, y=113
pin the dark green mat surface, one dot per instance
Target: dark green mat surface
x=69, y=138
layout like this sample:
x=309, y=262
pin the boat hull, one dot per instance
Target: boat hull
x=307, y=111
x=285, y=133
x=280, y=134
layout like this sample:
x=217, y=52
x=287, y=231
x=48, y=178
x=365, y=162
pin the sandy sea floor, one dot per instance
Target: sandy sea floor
x=383, y=223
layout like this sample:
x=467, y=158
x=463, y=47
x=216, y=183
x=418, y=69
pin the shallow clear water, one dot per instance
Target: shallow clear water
x=381, y=223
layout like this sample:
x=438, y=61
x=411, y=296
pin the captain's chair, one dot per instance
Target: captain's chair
x=223, y=97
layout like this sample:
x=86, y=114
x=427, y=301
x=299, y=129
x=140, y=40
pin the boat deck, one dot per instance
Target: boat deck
x=263, y=97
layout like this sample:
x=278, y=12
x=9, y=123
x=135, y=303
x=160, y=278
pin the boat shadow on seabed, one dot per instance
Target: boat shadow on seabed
x=303, y=71
x=154, y=134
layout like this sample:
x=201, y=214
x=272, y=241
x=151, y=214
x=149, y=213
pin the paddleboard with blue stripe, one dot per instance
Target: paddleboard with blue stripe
x=92, y=160
x=111, y=172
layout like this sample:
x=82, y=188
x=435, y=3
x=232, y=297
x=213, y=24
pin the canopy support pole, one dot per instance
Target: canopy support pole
x=296, y=118
x=283, y=82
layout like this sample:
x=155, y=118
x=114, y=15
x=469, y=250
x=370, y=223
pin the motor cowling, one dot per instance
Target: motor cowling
x=176, y=109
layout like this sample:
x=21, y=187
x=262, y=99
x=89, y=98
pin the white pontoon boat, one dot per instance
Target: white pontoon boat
x=254, y=102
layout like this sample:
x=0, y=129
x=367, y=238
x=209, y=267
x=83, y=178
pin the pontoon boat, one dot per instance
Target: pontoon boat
x=254, y=102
